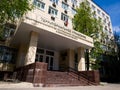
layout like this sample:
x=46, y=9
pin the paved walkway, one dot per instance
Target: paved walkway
x=29, y=86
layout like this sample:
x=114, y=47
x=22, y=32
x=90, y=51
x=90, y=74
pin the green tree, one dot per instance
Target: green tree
x=85, y=22
x=11, y=10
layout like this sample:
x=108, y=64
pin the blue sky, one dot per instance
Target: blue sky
x=112, y=7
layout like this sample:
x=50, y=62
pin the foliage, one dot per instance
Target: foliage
x=95, y=64
x=85, y=22
x=83, y=18
x=117, y=41
x=10, y=10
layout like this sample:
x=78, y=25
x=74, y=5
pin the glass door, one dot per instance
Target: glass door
x=49, y=61
x=39, y=57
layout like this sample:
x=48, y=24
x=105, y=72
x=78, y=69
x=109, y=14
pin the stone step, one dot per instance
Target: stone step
x=55, y=78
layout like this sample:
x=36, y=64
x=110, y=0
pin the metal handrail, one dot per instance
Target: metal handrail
x=70, y=69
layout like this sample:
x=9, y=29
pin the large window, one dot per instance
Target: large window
x=52, y=11
x=64, y=6
x=39, y=4
x=54, y=1
x=7, y=54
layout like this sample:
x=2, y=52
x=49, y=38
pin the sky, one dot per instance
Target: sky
x=112, y=7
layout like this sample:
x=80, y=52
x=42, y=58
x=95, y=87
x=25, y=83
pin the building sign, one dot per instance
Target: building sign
x=59, y=29
x=53, y=24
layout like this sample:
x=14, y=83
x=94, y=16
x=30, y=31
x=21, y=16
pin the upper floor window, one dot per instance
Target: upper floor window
x=64, y=17
x=93, y=7
x=74, y=2
x=104, y=20
x=39, y=4
x=88, y=3
x=64, y=6
x=54, y=1
x=98, y=11
x=73, y=11
x=103, y=14
x=107, y=18
x=52, y=11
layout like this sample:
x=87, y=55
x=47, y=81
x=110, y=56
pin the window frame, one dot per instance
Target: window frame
x=52, y=11
x=65, y=6
x=54, y=1
x=63, y=16
x=40, y=5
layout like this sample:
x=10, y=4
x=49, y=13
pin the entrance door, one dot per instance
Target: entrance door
x=49, y=61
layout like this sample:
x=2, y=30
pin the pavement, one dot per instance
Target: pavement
x=29, y=86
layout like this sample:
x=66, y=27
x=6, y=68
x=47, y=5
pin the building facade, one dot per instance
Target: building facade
x=46, y=34
x=107, y=38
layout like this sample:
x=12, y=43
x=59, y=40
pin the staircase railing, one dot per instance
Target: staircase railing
x=73, y=70
x=80, y=74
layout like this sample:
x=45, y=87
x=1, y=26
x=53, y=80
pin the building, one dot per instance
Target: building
x=45, y=34
x=108, y=58
x=107, y=41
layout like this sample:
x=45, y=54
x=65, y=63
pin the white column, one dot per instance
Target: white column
x=81, y=59
x=31, y=53
x=21, y=55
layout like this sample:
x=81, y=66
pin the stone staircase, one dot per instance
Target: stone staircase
x=57, y=78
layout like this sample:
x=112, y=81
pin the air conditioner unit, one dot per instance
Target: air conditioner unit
x=73, y=5
x=53, y=17
x=65, y=1
x=54, y=4
x=65, y=11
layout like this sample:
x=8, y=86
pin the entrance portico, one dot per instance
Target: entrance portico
x=57, y=47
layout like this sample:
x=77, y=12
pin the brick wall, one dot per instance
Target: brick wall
x=92, y=76
x=34, y=73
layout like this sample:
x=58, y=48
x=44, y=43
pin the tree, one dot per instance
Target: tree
x=85, y=22
x=117, y=41
x=11, y=10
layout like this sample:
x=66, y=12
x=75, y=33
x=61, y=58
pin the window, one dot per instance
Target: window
x=64, y=17
x=95, y=16
x=51, y=53
x=109, y=24
x=88, y=3
x=39, y=4
x=93, y=7
x=41, y=51
x=52, y=11
x=73, y=11
x=54, y=1
x=74, y=2
x=103, y=14
x=107, y=18
x=98, y=11
x=64, y=6
x=7, y=54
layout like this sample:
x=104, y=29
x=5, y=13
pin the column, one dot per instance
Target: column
x=21, y=55
x=31, y=52
x=81, y=59
x=71, y=58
